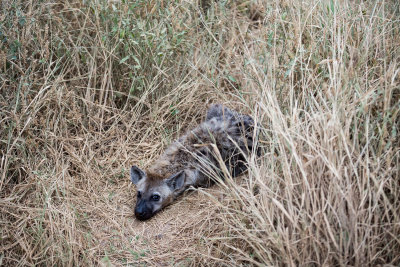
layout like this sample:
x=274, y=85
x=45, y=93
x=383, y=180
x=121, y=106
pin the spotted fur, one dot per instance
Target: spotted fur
x=225, y=136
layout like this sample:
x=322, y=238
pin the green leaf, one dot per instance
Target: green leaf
x=124, y=59
x=231, y=78
x=137, y=61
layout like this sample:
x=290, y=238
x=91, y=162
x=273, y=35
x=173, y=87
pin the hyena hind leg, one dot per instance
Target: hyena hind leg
x=248, y=133
x=239, y=165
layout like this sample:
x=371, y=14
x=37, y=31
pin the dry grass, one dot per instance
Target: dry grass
x=88, y=88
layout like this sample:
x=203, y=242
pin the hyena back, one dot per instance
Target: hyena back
x=225, y=136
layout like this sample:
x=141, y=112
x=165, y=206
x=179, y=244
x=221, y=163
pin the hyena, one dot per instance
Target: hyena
x=225, y=138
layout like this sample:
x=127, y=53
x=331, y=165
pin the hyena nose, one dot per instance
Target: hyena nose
x=141, y=214
x=139, y=211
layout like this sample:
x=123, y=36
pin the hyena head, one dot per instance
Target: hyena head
x=154, y=192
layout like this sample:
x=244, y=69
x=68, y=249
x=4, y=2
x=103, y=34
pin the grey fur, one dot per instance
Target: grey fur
x=225, y=136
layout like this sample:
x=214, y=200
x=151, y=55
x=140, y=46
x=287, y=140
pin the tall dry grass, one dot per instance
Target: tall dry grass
x=89, y=88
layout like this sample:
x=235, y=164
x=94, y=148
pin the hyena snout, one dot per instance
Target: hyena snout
x=143, y=211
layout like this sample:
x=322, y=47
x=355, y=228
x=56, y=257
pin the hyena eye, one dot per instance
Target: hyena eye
x=155, y=197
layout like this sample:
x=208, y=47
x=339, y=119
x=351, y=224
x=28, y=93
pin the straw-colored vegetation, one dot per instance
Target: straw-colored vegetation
x=88, y=88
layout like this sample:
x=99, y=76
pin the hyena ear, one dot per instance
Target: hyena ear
x=176, y=181
x=136, y=174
